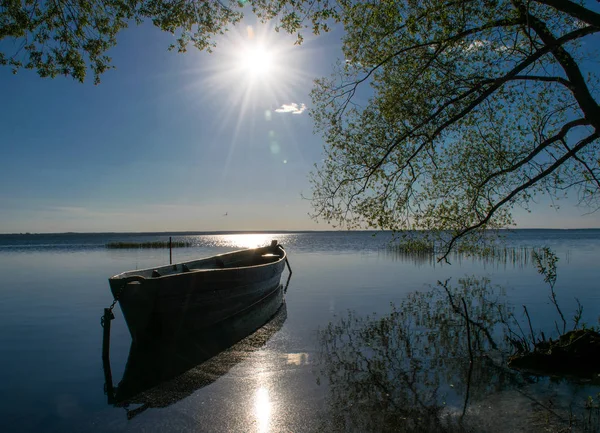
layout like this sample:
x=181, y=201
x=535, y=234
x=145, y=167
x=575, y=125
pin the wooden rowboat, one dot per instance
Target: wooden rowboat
x=160, y=303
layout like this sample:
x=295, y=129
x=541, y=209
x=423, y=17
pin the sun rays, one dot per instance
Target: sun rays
x=253, y=69
x=244, y=87
x=252, y=73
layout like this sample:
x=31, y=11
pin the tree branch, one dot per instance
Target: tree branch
x=497, y=84
x=559, y=80
x=573, y=9
x=561, y=134
x=589, y=139
x=580, y=90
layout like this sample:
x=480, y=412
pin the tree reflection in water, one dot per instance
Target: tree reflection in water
x=410, y=371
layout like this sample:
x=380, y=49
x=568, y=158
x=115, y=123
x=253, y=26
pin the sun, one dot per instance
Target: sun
x=253, y=69
x=256, y=60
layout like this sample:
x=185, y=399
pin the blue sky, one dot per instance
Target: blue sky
x=172, y=142
x=167, y=141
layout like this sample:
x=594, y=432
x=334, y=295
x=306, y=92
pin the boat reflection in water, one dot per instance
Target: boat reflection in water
x=161, y=374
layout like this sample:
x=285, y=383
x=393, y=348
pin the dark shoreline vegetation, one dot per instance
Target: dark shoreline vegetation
x=155, y=244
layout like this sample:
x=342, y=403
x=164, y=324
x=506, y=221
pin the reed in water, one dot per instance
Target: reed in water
x=154, y=244
x=423, y=251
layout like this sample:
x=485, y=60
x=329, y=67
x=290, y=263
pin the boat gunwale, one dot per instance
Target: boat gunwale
x=121, y=276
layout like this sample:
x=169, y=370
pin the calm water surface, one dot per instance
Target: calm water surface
x=54, y=288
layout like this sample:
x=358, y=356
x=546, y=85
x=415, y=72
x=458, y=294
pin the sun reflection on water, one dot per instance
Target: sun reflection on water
x=262, y=409
x=250, y=240
x=241, y=241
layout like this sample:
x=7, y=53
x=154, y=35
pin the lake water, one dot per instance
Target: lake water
x=321, y=367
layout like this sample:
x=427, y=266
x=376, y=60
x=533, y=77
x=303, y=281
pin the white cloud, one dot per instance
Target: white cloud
x=292, y=108
x=497, y=46
x=476, y=45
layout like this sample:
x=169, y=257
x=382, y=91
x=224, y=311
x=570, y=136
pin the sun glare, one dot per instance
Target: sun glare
x=256, y=60
x=262, y=409
x=255, y=64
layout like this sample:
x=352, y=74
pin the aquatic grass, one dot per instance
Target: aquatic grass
x=414, y=246
x=154, y=244
x=426, y=251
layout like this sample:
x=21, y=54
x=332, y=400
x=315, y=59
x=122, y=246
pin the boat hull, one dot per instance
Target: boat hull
x=161, y=308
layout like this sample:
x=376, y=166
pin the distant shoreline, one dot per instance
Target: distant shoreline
x=249, y=232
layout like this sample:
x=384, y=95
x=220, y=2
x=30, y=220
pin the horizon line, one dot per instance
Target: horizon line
x=223, y=232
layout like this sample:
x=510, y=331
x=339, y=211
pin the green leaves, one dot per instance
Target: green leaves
x=470, y=112
x=71, y=37
x=60, y=36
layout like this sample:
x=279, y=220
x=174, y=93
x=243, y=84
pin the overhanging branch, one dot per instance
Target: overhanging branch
x=573, y=9
x=544, y=144
x=560, y=161
x=484, y=95
x=580, y=90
